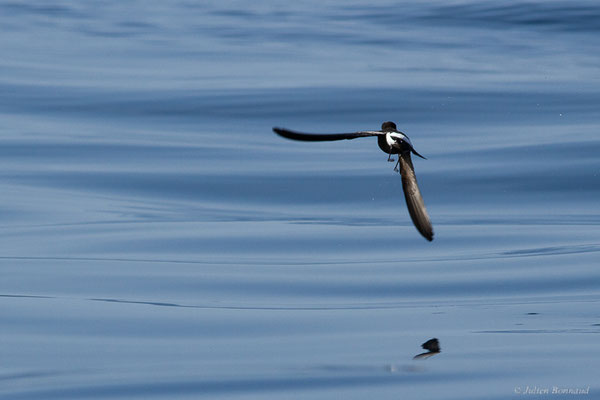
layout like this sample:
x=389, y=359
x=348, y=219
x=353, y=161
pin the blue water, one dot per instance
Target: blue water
x=159, y=241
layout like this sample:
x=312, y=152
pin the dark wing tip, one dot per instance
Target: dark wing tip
x=425, y=230
x=286, y=133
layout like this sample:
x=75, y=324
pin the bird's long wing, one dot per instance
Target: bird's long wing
x=322, y=137
x=414, y=200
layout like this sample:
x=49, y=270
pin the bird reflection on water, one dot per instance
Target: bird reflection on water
x=432, y=346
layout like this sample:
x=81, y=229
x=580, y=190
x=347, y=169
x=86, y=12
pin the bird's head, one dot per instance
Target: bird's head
x=388, y=126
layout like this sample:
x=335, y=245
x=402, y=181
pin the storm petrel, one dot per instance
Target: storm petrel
x=391, y=141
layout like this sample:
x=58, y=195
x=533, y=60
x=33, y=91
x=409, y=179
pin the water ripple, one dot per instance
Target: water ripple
x=554, y=15
x=256, y=385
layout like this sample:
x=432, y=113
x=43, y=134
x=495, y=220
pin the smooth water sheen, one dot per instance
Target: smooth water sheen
x=159, y=241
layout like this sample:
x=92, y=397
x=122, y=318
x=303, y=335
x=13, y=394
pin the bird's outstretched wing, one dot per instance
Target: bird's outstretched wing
x=414, y=200
x=322, y=137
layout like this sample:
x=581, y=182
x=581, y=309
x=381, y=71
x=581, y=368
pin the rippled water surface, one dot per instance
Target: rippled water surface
x=159, y=241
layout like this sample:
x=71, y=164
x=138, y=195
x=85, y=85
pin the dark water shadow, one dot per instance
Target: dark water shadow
x=10, y=377
x=556, y=15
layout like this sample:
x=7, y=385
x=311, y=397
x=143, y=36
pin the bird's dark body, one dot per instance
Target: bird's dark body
x=387, y=149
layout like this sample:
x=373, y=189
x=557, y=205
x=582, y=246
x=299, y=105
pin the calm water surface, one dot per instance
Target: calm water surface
x=159, y=241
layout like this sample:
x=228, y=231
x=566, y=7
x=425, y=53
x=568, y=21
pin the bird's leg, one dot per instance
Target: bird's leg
x=396, y=168
x=390, y=159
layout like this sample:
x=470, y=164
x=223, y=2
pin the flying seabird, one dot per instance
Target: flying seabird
x=391, y=141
